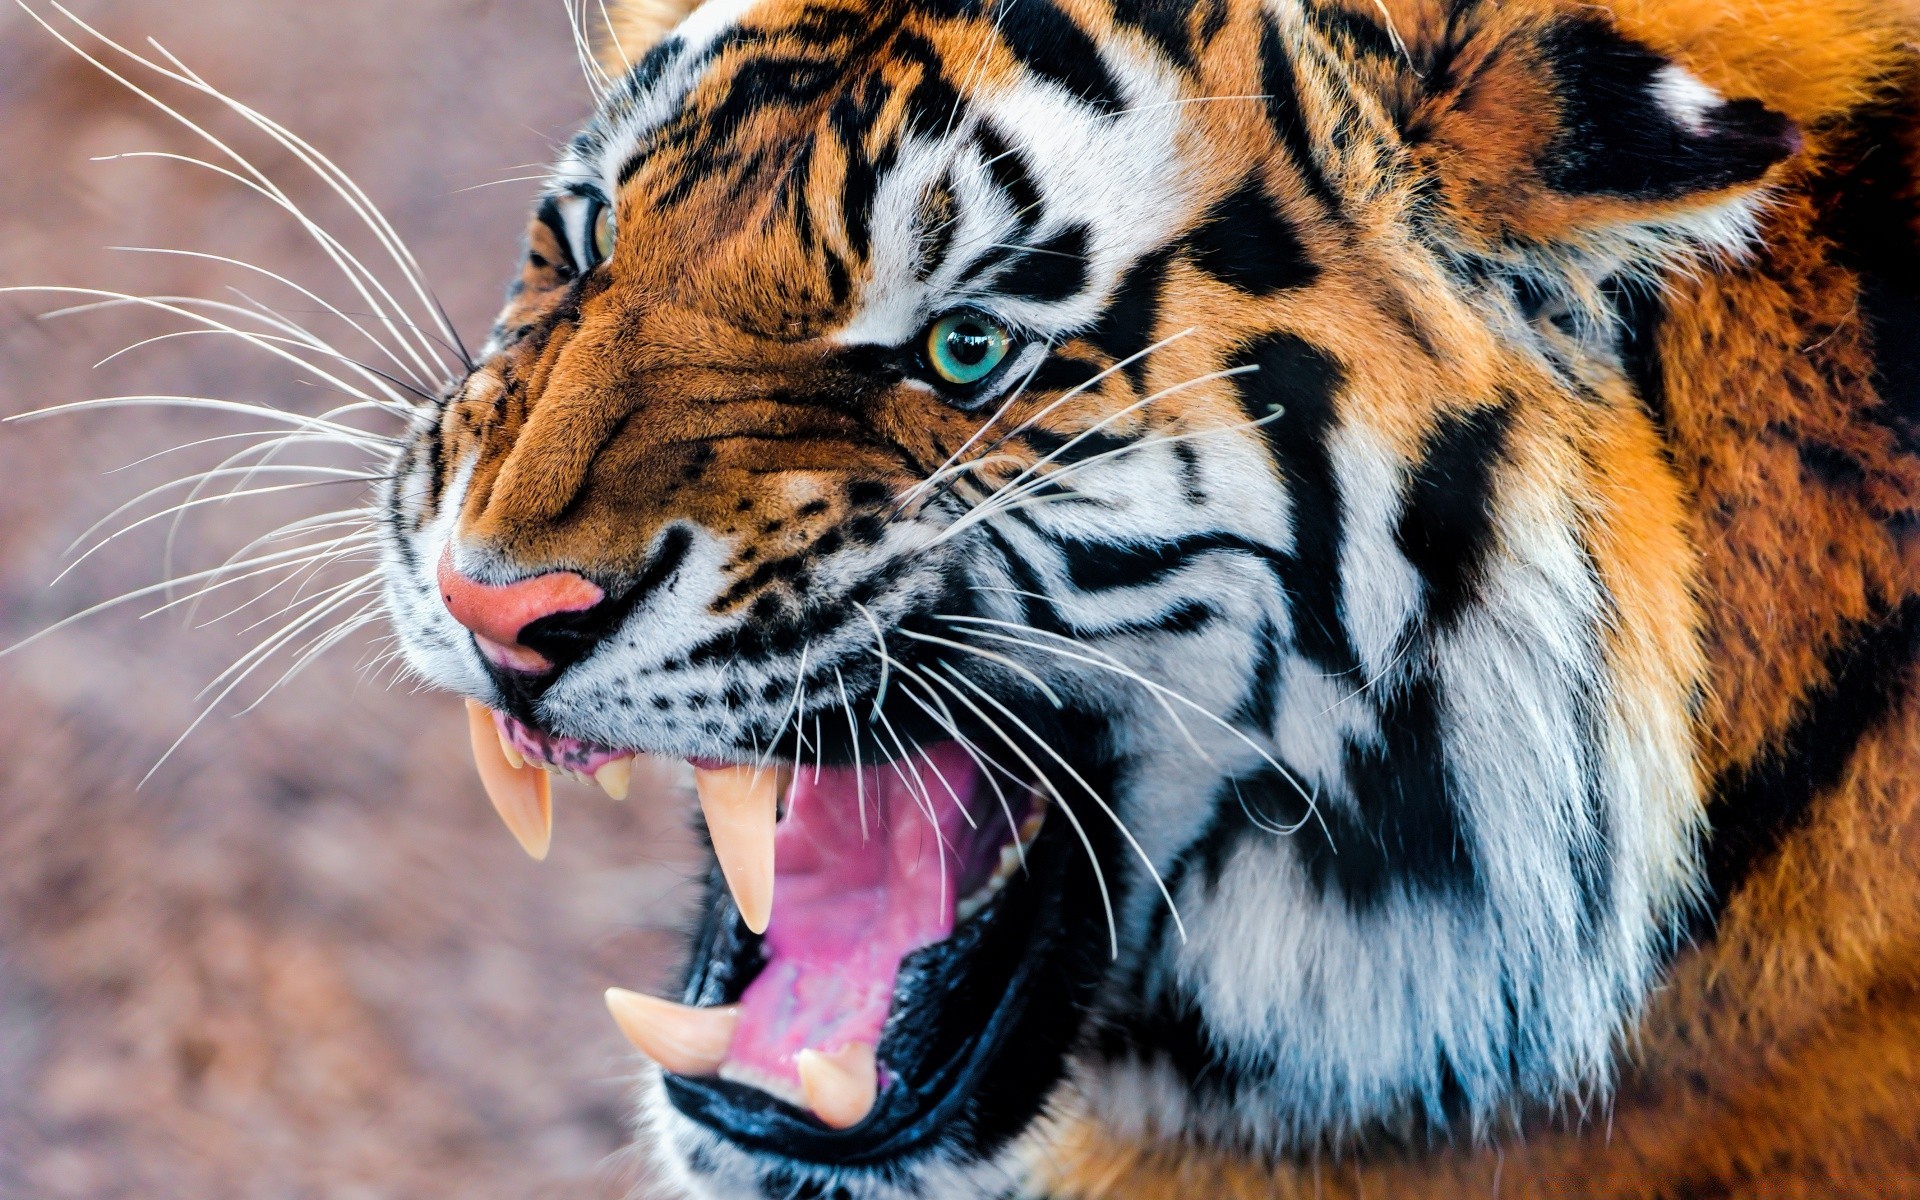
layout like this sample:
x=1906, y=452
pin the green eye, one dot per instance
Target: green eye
x=603, y=234
x=966, y=347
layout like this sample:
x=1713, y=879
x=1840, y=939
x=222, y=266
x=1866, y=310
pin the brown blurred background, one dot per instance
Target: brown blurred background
x=304, y=959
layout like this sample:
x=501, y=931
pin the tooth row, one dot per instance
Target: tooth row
x=742, y=808
x=520, y=790
x=838, y=1086
x=1013, y=856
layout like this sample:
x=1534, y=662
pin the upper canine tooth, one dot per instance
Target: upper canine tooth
x=682, y=1039
x=840, y=1087
x=520, y=794
x=742, y=806
x=613, y=777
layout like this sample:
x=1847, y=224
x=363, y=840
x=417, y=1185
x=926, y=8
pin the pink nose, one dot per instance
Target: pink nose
x=498, y=615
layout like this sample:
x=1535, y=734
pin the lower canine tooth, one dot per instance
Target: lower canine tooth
x=614, y=777
x=742, y=805
x=520, y=794
x=840, y=1087
x=682, y=1039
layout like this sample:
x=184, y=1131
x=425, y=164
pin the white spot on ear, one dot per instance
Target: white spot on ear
x=1686, y=99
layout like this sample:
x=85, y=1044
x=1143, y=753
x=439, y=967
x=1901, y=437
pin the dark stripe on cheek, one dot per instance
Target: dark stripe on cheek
x=1126, y=328
x=1447, y=527
x=1054, y=48
x=1756, y=806
x=1299, y=382
x=1245, y=242
x=1283, y=113
x=1053, y=271
x=1102, y=566
x=1062, y=448
x=1399, y=832
x=1059, y=372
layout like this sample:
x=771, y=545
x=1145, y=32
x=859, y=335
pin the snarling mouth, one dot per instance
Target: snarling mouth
x=883, y=932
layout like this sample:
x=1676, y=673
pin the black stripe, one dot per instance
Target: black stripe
x=1754, y=807
x=1299, y=381
x=852, y=118
x=1051, y=272
x=1103, y=566
x=1893, y=322
x=1061, y=448
x=1447, y=530
x=1361, y=35
x=1054, y=48
x=1127, y=326
x=1283, y=113
x=1261, y=706
x=1008, y=170
x=1164, y=23
x=1245, y=242
x=934, y=103
x=1401, y=829
x=939, y=220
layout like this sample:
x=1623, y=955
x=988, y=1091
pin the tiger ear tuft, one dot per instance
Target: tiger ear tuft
x=637, y=26
x=1555, y=128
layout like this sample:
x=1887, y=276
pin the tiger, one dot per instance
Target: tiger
x=1263, y=597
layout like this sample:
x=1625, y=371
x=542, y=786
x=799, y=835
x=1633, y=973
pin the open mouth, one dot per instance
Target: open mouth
x=884, y=934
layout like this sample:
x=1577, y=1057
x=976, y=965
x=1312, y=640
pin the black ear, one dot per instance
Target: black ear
x=1634, y=124
x=1553, y=130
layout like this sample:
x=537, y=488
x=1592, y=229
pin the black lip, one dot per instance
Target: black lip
x=1029, y=962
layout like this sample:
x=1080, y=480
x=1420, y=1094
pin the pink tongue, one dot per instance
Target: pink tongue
x=848, y=906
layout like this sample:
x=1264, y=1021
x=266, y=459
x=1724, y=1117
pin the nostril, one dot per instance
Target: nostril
x=501, y=616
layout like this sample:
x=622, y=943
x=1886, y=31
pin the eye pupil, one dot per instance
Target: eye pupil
x=969, y=344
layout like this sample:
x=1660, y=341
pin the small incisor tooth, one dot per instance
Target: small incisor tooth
x=682, y=1039
x=614, y=777
x=840, y=1087
x=742, y=805
x=521, y=795
x=507, y=748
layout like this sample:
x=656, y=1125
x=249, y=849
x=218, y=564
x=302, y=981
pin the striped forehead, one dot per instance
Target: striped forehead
x=1048, y=159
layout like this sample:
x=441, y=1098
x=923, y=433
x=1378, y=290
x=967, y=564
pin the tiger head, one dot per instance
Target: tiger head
x=1139, y=517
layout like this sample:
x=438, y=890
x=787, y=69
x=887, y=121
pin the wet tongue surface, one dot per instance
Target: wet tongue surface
x=852, y=897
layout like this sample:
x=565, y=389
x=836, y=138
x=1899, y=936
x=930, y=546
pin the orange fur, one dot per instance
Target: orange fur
x=1782, y=1057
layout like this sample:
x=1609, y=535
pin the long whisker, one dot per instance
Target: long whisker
x=985, y=762
x=986, y=508
x=330, y=174
x=1156, y=688
x=148, y=590
x=345, y=434
x=247, y=336
x=278, y=278
x=1041, y=777
x=1139, y=851
x=257, y=655
x=859, y=774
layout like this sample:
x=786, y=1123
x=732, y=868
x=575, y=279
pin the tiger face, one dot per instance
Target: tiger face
x=1136, y=514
